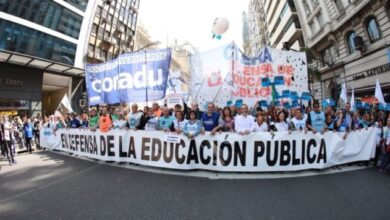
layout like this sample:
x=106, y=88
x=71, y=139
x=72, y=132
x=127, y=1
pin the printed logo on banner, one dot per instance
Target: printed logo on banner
x=127, y=78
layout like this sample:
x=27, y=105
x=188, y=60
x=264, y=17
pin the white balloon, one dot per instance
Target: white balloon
x=220, y=26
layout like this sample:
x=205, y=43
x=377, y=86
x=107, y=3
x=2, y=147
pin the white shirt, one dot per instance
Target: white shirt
x=261, y=128
x=299, y=123
x=119, y=124
x=179, y=124
x=7, y=130
x=152, y=124
x=281, y=126
x=243, y=124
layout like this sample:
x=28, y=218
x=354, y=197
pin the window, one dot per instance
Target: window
x=373, y=30
x=351, y=45
x=46, y=13
x=329, y=56
x=21, y=39
x=339, y=5
x=312, y=28
x=306, y=7
x=315, y=4
x=320, y=19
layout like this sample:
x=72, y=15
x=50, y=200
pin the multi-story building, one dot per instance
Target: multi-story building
x=44, y=47
x=245, y=33
x=257, y=28
x=349, y=40
x=274, y=24
x=113, y=30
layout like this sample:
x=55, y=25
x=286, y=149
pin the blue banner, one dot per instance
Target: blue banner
x=132, y=77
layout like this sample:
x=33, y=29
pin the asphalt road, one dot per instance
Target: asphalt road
x=47, y=185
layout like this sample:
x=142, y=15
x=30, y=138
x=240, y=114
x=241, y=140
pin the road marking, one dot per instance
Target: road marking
x=49, y=184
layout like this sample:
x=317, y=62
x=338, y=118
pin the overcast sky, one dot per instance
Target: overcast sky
x=191, y=20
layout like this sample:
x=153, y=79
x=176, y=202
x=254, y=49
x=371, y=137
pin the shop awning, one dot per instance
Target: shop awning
x=36, y=62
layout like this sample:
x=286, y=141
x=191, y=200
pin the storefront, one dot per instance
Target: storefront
x=20, y=90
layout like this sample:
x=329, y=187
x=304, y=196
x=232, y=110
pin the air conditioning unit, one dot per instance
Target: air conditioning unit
x=359, y=43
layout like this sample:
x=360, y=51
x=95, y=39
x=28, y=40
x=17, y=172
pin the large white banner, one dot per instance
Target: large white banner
x=226, y=74
x=256, y=152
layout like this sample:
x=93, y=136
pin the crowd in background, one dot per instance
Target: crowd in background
x=16, y=132
x=190, y=121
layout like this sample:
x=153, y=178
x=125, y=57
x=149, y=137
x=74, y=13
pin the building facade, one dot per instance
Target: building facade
x=349, y=40
x=257, y=28
x=113, y=30
x=44, y=45
x=275, y=24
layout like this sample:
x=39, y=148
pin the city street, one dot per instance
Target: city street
x=47, y=185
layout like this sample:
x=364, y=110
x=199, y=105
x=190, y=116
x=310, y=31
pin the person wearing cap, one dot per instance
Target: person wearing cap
x=105, y=123
x=210, y=118
x=93, y=120
x=316, y=119
x=244, y=123
x=134, y=117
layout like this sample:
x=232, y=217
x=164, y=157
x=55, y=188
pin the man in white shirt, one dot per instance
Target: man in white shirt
x=244, y=123
x=134, y=117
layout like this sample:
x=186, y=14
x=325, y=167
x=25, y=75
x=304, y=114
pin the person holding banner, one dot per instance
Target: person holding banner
x=105, y=123
x=156, y=109
x=179, y=122
x=245, y=123
x=210, y=118
x=281, y=124
x=144, y=118
x=193, y=126
x=330, y=123
x=152, y=121
x=84, y=120
x=194, y=107
x=93, y=123
x=356, y=122
x=316, y=119
x=342, y=124
x=165, y=122
x=261, y=124
x=226, y=124
x=134, y=117
x=121, y=122
x=298, y=122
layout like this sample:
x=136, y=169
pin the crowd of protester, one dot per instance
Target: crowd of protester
x=16, y=132
x=190, y=121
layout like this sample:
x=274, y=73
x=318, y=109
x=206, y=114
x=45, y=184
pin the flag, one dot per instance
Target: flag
x=343, y=94
x=378, y=92
x=274, y=94
x=388, y=55
x=353, y=100
x=65, y=102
